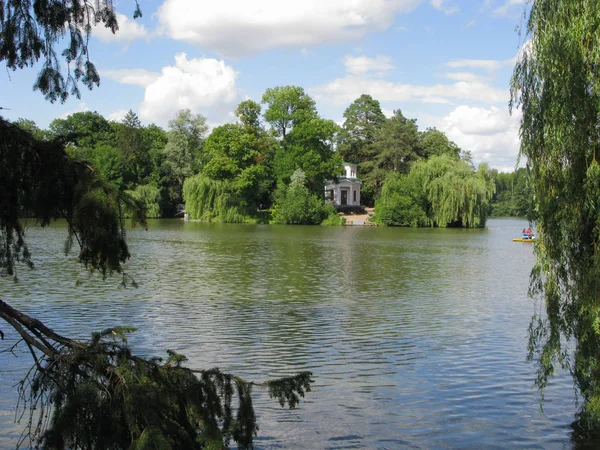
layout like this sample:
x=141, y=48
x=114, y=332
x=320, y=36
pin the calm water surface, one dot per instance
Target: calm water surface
x=416, y=337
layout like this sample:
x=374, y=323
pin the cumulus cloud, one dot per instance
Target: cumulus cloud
x=237, y=28
x=81, y=107
x=204, y=85
x=508, y=8
x=363, y=65
x=118, y=115
x=463, y=76
x=442, y=5
x=129, y=30
x=139, y=77
x=485, y=64
x=491, y=134
x=344, y=90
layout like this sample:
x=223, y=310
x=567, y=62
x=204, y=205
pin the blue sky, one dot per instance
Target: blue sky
x=446, y=63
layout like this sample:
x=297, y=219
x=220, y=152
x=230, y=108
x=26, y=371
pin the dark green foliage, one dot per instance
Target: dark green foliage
x=309, y=147
x=357, y=140
x=556, y=86
x=362, y=120
x=296, y=205
x=83, y=130
x=130, y=141
x=31, y=127
x=32, y=28
x=38, y=179
x=236, y=175
x=108, y=161
x=97, y=394
x=396, y=144
x=400, y=204
x=513, y=195
x=435, y=143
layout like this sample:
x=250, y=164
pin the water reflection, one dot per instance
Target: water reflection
x=416, y=337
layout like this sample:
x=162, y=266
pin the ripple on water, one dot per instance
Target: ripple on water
x=416, y=338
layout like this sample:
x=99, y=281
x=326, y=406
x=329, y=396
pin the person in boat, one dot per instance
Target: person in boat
x=527, y=234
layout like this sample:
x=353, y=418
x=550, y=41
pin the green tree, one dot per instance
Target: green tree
x=183, y=152
x=307, y=140
x=310, y=147
x=130, y=141
x=513, y=196
x=434, y=142
x=108, y=161
x=83, y=132
x=296, y=205
x=248, y=112
x=362, y=120
x=155, y=140
x=355, y=143
x=236, y=177
x=396, y=143
x=401, y=203
x=31, y=127
x=556, y=86
x=395, y=147
x=286, y=107
x=235, y=153
x=448, y=190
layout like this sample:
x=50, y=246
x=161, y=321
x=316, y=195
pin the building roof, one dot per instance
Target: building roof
x=350, y=179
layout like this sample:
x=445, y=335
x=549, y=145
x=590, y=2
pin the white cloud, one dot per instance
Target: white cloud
x=236, y=28
x=363, y=65
x=203, y=85
x=463, y=76
x=491, y=134
x=485, y=64
x=81, y=107
x=118, y=115
x=139, y=77
x=387, y=112
x=344, y=90
x=509, y=8
x=442, y=5
x=129, y=30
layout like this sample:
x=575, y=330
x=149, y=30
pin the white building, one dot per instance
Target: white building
x=346, y=192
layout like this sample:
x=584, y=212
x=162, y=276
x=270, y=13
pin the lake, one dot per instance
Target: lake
x=417, y=338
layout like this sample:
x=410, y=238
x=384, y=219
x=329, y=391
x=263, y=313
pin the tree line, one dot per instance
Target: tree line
x=556, y=86
x=271, y=165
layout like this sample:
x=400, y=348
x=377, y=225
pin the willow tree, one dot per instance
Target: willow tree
x=455, y=194
x=556, y=85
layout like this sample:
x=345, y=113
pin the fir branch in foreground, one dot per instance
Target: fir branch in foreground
x=97, y=394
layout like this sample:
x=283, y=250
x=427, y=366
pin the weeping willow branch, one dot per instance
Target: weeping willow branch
x=97, y=394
